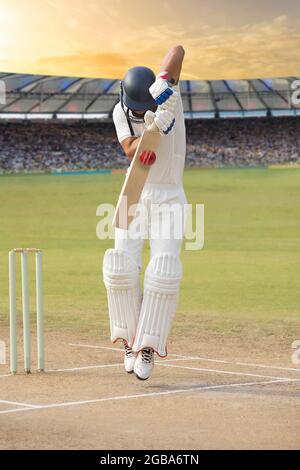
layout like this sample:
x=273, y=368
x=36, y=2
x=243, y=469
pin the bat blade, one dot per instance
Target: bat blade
x=135, y=179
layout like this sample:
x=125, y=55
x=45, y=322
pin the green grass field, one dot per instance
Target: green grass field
x=244, y=282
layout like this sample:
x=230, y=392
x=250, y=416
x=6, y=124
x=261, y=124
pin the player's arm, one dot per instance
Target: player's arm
x=172, y=63
x=130, y=145
x=161, y=90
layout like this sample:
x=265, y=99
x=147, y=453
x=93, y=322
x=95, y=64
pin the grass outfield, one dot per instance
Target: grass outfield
x=244, y=282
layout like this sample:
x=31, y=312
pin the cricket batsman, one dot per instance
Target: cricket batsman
x=142, y=318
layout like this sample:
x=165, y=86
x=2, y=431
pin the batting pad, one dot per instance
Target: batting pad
x=161, y=288
x=121, y=279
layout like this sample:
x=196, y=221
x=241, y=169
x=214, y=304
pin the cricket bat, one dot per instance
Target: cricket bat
x=136, y=176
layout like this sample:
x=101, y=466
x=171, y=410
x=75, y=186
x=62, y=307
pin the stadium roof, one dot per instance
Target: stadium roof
x=37, y=96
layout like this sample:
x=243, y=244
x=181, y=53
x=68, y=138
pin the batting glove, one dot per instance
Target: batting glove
x=162, y=93
x=164, y=120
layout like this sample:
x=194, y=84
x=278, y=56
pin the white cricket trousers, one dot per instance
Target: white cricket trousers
x=163, y=222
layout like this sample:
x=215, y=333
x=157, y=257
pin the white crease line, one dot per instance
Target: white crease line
x=103, y=366
x=199, y=358
x=7, y=402
x=98, y=366
x=293, y=369
x=230, y=372
x=196, y=358
x=163, y=363
x=72, y=369
x=141, y=395
x=91, y=346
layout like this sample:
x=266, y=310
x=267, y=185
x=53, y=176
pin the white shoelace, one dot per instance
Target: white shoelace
x=147, y=355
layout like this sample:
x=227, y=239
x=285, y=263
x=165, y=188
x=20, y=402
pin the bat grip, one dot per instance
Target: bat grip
x=153, y=127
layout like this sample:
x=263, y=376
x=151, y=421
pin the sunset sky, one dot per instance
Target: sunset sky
x=96, y=38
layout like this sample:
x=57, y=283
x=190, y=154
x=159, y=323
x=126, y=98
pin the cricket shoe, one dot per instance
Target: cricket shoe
x=144, y=364
x=129, y=358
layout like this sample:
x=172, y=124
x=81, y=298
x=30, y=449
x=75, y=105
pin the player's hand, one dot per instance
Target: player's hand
x=149, y=118
x=162, y=93
x=163, y=119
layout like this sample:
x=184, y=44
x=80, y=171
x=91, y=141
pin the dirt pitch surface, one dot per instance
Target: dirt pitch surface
x=194, y=400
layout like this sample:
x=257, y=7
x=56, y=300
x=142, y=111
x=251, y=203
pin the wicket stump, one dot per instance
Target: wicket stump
x=25, y=306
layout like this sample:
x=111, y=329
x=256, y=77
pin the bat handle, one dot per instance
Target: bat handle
x=153, y=127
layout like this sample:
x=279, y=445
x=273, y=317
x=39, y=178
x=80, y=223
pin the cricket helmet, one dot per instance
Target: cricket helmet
x=135, y=89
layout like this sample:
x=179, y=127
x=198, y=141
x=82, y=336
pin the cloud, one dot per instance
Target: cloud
x=98, y=39
x=84, y=63
x=264, y=49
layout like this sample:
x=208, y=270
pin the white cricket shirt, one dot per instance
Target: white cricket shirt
x=171, y=151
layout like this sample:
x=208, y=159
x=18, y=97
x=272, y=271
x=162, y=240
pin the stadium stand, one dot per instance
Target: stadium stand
x=63, y=123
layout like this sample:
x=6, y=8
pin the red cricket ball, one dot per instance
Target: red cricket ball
x=147, y=157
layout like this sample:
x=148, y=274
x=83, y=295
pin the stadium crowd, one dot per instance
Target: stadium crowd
x=67, y=146
x=243, y=142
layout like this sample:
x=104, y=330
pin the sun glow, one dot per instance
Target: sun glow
x=101, y=38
